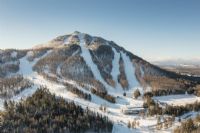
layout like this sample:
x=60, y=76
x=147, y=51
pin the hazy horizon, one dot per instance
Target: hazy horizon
x=153, y=30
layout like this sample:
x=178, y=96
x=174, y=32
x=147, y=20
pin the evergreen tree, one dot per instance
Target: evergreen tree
x=136, y=93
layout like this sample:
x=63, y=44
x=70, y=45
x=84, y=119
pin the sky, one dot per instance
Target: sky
x=151, y=29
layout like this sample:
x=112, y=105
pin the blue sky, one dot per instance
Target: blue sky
x=152, y=29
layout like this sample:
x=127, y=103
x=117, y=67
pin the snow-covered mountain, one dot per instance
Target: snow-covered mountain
x=85, y=64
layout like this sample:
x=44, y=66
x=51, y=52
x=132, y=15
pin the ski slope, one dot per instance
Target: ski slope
x=113, y=110
x=88, y=59
x=115, y=68
x=25, y=69
x=129, y=71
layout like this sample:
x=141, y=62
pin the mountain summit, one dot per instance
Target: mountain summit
x=91, y=60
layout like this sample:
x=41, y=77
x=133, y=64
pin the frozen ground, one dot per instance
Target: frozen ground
x=130, y=71
x=113, y=110
x=88, y=59
x=115, y=70
x=178, y=99
x=25, y=69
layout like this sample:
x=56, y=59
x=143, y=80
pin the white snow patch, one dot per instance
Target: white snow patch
x=76, y=52
x=22, y=95
x=88, y=59
x=26, y=66
x=118, y=128
x=115, y=68
x=142, y=72
x=67, y=41
x=14, y=54
x=25, y=93
x=177, y=100
x=30, y=54
x=26, y=71
x=129, y=71
x=1, y=104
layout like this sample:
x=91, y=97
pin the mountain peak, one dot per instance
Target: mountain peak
x=73, y=38
x=76, y=32
x=61, y=40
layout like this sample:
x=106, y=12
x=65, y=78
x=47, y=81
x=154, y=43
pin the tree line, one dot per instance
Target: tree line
x=189, y=126
x=43, y=112
x=13, y=85
x=104, y=95
x=154, y=108
x=78, y=92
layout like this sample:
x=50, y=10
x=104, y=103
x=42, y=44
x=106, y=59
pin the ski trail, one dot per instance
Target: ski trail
x=26, y=71
x=88, y=59
x=115, y=68
x=129, y=71
x=26, y=66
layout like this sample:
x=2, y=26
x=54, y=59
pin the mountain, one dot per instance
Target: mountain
x=178, y=62
x=85, y=59
x=181, y=66
x=89, y=71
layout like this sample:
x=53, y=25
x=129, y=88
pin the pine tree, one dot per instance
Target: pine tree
x=136, y=93
x=129, y=124
x=6, y=105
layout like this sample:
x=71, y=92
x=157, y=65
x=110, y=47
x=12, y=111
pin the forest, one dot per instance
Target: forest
x=78, y=92
x=12, y=86
x=189, y=126
x=43, y=112
x=154, y=108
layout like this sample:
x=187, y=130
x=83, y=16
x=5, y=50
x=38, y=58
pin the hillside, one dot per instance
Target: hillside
x=94, y=73
x=43, y=112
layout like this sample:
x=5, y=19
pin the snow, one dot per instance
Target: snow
x=115, y=68
x=24, y=94
x=67, y=40
x=142, y=72
x=113, y=110
x=177, y=100
x=30, y=54
x=26, y=66
x=26, y=71
x=129, y=71
x=117, y=128
x=88, y=59
x=58, y=71
x=14, y=54
x=1, y=104
x=76, y=52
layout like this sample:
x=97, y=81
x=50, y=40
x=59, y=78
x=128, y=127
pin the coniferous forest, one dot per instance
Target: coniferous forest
x=43, y=112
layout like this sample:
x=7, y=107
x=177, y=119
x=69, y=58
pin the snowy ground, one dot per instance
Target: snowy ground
x=115, y=70
x=88, y=59
x=177, y=99
x=130, y=71
x=113, y=110
x=27, y=72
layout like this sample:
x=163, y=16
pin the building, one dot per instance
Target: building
x=128, y=110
